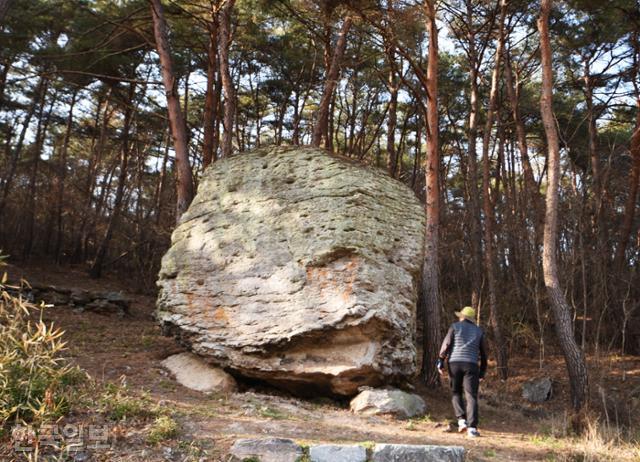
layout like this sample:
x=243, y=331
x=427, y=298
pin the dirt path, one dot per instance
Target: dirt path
x=128, y=351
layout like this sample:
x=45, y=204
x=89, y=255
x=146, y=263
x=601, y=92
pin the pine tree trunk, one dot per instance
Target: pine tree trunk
x=392, y=119
x=160, y=184
x=184, y=177
x=96, y=269
x=574, y=358
x=430, y=278
x=320, y=129
x=472, y=174
x=43, y=124
x=80, y=251
x=224, y=42
x=489, y=255
x=532, y=193
x=210, y=110
x=13, y=162
x=62, y=176
x=632, y=197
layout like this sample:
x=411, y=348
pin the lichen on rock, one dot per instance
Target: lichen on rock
x=298, y=268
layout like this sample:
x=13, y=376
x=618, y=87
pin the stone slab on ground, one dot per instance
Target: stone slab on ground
x=266, y=450
x=538, y=390
x=192, y=372
x=416, y=453
x=337, y=453
x=388, y=401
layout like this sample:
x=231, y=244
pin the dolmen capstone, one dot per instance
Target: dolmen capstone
x=297, y=268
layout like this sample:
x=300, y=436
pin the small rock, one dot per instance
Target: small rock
x=538, y=391
x=104, y=307
x=388, y=401
x=167, y=453
x=56, y=298
x=117, y=299
x=81, y=297
x=335, y=453
x=80, y=456
x=417, y=453
x=266, y=450
x=192, y=372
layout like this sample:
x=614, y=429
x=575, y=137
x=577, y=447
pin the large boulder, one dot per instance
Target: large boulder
x=298, y=268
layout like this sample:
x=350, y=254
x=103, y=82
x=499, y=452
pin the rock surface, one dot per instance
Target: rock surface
x=192, y=372
x=538, y=391
x=390, y=402
x=297, y=268
x=266, y=450
x=416, y=453
x=337, y=453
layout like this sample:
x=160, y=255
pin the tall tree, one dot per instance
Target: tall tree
x=224, y=42
x=430, y=269
x=634, y=150
x=62, y=174
x=210, y=143
x=96, y=268
x=574, y=357
x=184, y=176
x=487, y=204
x=321, y=127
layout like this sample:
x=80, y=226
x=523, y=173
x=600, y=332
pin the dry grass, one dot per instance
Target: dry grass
x=34, y=376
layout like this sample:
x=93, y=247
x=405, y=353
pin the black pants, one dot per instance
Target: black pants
x=465, y=376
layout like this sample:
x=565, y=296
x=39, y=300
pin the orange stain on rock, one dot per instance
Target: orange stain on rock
x=220, y=315
x=334, y=279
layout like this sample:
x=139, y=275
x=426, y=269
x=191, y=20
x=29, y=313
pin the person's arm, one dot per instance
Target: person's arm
x=447, y=344
x=483, y=357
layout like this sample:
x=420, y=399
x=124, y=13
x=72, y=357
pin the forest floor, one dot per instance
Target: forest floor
x=122, y=359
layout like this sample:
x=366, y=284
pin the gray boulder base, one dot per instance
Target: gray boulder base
x=389, y=402
x=538, y=391
x=266, y=450
x=192, y=372
x=297, y=268
x=416, y=453
x=337, y=453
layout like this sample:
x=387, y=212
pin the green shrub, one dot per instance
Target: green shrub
x=34, y=377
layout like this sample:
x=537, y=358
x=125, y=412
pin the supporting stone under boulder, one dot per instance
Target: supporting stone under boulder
x=192, y=372
x=298, y=268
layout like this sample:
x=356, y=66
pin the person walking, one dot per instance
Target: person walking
x=463, y=346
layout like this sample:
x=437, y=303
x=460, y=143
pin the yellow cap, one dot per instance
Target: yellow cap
x=467, y=312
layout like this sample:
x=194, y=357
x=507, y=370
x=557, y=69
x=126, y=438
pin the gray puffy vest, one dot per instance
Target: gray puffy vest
x=466, y=342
